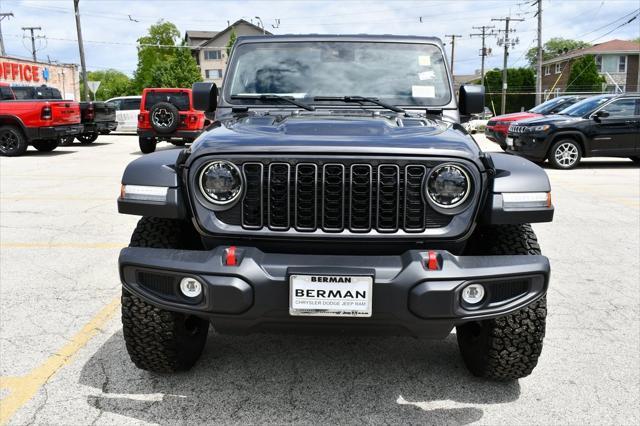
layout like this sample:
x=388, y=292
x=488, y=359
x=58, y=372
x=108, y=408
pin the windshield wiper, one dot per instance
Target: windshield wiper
x=265, y=98
x=359, y=100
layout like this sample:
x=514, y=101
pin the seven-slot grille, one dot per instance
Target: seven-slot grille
x=333, y=197
x=517, y=129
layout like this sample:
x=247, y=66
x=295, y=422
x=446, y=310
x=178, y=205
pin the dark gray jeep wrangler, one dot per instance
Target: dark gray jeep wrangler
x=335, y=191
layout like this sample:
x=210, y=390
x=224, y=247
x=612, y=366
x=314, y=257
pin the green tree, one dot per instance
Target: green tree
x=554, y=47
x=521, y=83
x=231, y=42
x=179, y=71
x=155, y=48
x=584, y=76
x=112, y=83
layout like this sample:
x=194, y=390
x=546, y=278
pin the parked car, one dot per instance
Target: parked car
x=497, y=128
x=35, y=122
x=127, y=109
x=478, y=122
x=336, y=204
x=98, y=118
x=600, y=126
x=168, y=115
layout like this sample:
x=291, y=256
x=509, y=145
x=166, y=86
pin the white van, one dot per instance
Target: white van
x=127, y=109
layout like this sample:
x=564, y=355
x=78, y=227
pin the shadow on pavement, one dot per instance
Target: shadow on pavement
x=293, y=379
x=87, y=145
x=598, y=164
x=36, y=153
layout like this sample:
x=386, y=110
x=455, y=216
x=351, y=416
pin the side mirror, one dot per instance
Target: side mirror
x=471, y=99
x=205, y=96
x=601, y=114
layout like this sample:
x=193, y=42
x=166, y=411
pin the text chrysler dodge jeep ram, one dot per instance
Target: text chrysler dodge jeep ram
x=336, y=191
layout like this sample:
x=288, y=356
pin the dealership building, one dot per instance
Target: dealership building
x=25, y=72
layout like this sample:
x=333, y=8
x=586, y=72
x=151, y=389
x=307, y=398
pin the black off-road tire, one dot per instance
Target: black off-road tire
x=12, y=141
x=159, y=340
x=147, y=145
x=87, y=138
x=568, y=145
x=505, y=348
x=46, y=146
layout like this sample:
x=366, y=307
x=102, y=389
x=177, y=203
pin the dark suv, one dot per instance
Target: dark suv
x=599, y=126
x=336, y=192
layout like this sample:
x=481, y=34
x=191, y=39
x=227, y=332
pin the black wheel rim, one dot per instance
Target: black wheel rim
x=8, y=142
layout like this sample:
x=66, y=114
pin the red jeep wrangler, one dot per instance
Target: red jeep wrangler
x=168, y=115
x=40, y=123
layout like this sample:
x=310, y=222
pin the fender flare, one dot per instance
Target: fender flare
x=15, y=120
x=157, y=170
x=515, y=175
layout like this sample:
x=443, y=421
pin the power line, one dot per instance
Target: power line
x=453, y=38
x=33, y=40
x=2, y=16
x=507, y=42
x=483, y=52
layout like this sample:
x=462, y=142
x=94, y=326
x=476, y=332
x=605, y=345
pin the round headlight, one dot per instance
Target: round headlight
x=448, y=185
x=220, y=182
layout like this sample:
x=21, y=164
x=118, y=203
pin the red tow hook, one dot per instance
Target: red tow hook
x=230, y=256
x=432, y=262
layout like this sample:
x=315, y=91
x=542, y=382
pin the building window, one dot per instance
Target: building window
x=558, y=68
x=547, y=70
x=213, y=73
x=599, y=63
x=211, y=55
x=622, y=64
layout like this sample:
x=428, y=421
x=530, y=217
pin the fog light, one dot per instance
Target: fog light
x=473, y=294
x=190, y=287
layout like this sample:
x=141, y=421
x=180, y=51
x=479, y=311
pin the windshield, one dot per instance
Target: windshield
x=550, y=105
x=396, y=73
x=585, y=106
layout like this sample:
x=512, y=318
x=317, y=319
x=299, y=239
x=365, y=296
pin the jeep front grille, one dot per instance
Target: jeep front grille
x=334, y=197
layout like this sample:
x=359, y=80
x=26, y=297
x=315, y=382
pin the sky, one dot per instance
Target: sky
x=110, y=28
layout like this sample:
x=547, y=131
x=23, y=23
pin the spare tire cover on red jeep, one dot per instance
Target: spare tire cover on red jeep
x=164, y=117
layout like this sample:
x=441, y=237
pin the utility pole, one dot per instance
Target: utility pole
x=453, y=47
x=85, y=86
x=539, y=65
x=33, y=40
x=2, y=16
x=484, y=52
x=507, y=42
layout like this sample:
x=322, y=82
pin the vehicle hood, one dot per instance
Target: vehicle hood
x=549, y=119
x=516, y=116
x=326, y=133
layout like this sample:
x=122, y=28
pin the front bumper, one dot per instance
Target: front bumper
x=408, y=298
x=532, y=146
x=53, y=132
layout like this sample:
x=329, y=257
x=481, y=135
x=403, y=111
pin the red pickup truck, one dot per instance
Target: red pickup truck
x=39, y=123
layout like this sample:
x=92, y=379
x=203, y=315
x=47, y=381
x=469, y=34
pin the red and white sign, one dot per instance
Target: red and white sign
x=19, y=72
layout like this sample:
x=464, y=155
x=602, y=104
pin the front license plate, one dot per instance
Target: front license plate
x=330, y=295
x=509, y=141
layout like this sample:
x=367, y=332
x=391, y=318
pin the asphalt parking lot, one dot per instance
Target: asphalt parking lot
x=63, y=361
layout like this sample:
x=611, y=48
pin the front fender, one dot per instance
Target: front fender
x=515, y=176
x=151, y=187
